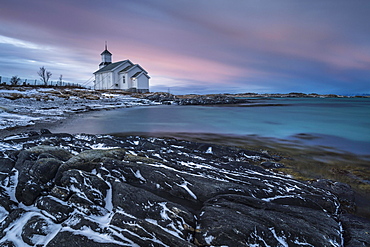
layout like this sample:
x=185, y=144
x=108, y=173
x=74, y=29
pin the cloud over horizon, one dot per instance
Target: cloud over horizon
x=195, y=46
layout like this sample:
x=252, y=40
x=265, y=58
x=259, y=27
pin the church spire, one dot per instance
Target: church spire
x=106, y=57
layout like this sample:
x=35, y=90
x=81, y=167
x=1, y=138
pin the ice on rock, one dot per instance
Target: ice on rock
x=183, y=197
x=184, y=185
x=209, y=151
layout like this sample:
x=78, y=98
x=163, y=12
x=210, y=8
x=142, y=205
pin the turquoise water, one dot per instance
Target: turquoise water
x=343, y=123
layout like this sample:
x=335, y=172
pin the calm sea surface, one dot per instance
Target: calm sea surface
x=342, y=123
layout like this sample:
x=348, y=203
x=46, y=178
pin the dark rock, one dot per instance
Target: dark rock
x=88, y=160
x=343, y=191
x=6, y=202
x=60, y=193
x=356, y=230
x=259, y=222
x=28, y=189
x=90, y=185
x=145, y=233
x=7, y=244
x=163, y=98
x=10, y=219
x=34, y=227
x=59, y=210
x=11, y=154
x=45, y=169
x=145, y=205
x=80, y=202
x=34, y=173
x=33, y=133
x=6, y=165
x=195, y=99
x=271, y=165
x=79, y=221
x=72, y=239
x=45, y=131
x=210, y=100
x=7, y=182
x=32, y=154
x=164, y=192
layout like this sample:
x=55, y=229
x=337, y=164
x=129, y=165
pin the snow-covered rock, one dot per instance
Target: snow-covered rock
x=27, y=106
x=59, y=190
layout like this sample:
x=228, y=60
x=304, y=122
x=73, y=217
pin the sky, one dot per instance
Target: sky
x=195, y=46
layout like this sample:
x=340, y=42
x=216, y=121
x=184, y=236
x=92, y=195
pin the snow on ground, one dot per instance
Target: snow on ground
x=27, y=106
x=8, y=120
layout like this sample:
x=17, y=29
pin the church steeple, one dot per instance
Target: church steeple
x=106, y=57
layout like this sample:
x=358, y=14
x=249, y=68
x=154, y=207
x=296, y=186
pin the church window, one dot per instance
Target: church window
x=123, y=79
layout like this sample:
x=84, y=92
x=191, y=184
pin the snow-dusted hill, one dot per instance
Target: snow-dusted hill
x=27, y=106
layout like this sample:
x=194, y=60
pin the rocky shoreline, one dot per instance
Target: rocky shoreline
x=27, y=106
x=217, y=99
x=22, y=106
x=80, y=190
x=225, y=99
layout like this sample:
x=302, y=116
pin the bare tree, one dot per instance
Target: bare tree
x=15, y=80
x=60, y=80
x=44, y=75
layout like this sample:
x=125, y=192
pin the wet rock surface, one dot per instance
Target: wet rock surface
x=86, y=190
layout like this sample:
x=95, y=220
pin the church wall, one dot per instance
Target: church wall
x=143, y=82
x=117, y=77
x=103, y=80
x=133, y=83
x=98, y=81
x=107, y=79
x=115, y=83
x=124, y=85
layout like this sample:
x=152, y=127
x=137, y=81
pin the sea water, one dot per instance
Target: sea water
x=342, y=123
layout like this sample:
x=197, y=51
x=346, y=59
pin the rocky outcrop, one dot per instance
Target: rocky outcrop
x=214, y=99
x=84, y=190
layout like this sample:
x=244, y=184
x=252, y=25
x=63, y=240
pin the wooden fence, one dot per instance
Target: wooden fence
x=35, y=82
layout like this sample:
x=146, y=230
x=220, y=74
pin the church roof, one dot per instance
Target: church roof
x=106, y=52
x=104, y=63
x=110, y=67
x=127, y=68
x=140, y=73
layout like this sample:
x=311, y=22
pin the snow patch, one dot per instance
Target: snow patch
x=3, y=214
x=101, y=146
x=185, y=186
x=209, y=151
x=281, y=240
x=138, y=175
x=209, y=239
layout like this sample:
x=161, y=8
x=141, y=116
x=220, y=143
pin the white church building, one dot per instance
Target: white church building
x=123, y=75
